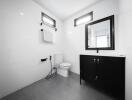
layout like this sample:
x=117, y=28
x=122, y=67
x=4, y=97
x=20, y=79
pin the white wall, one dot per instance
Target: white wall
x=125, y=46
x=74, y=42
x=74, y=37
x=21, y=45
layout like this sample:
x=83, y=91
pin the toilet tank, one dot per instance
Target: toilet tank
x=58, y=58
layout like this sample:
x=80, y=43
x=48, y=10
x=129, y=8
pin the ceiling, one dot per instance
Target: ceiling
x=65, y=8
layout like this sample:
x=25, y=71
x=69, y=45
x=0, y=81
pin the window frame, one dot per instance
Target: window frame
x=47, y=16
x=90, y=13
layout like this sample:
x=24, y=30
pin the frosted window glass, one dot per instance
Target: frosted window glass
x=102, y=41
x=83, y=20
x=47, y=20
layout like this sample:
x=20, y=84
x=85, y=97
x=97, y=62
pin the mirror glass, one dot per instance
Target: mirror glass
x=99, y=34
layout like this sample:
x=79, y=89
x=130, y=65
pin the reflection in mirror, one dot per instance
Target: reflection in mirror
x=99, y=34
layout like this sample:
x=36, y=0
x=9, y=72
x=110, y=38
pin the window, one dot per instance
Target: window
x=83, y=19
x=48, y=20
x=102, y=41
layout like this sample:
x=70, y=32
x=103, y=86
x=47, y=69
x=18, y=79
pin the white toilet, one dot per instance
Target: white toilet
x=62, y=67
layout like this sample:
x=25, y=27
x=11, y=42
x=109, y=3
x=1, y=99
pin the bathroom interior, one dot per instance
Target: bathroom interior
x=65, y=50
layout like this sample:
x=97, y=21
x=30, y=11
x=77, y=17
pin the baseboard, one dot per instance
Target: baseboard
x=71, y=72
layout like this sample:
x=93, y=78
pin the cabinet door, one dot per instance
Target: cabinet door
x=100, y=73
x=88, y=67
x=104, y=73
x=111, y=73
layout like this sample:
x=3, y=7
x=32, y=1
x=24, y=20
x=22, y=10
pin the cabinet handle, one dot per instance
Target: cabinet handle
x=98, y=60
x=94, y=59
x=96, y=77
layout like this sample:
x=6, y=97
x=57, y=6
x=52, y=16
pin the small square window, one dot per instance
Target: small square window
x=47, y=20
x=83, y=19
x=102, y=41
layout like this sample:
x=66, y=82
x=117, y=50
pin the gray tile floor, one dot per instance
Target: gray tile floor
x=58, y=88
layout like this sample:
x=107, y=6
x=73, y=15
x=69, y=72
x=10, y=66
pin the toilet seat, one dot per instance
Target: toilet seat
x=65, y=65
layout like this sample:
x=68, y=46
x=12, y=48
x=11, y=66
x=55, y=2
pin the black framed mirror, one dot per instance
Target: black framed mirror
x=99, y=35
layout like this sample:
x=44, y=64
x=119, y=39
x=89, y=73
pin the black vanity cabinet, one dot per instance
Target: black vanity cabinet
x=104, y=73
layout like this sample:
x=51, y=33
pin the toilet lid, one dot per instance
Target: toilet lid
x=65, y=64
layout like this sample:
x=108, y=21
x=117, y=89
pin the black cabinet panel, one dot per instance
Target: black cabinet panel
x=105, y=73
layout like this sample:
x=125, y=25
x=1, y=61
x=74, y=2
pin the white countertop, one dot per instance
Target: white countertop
x=99, y=54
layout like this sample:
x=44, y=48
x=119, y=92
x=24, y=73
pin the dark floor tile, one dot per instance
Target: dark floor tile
x=58, y=88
